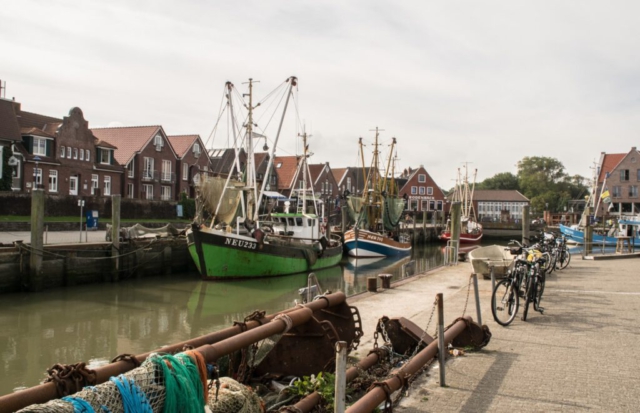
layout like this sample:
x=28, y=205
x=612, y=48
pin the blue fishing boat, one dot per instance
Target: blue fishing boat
x=626, y=228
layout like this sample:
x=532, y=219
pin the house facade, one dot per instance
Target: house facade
x=421, y=191
x=499, y=205
x=192, y=159
x=620, y=175
x=9, y=137
x=62, y=156
x=149, y=160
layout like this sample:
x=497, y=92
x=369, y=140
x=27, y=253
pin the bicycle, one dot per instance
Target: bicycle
x=505, y=297
x=535, y=285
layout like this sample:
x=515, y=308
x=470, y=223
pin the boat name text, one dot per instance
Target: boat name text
x=240, y=243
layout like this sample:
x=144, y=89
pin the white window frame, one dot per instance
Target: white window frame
x=87, y=155
x=103, y=153
x=414, y=190
x=421, y=190
x=130, y=188
x=131, y=170
x=39, y=146
x=196, y=149
x=68, y=152
x=185, y=171
x=95, y=183
x=422, y=178
x=75, y=153
x=37, y=176
x=62, y=152
x=147, y=172
x=81, y=154
x=165, y=193
x=53, y=180
x=148, y=191
x=429, y=190
x=107, y=186
x=166, y=170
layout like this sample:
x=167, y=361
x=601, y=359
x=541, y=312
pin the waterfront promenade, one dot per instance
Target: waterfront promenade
x=579, y=356
x=54, y=237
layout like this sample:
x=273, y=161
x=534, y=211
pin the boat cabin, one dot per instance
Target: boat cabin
x=300, y=226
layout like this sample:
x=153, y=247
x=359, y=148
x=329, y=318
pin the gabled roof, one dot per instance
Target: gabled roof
x=339, y=174
x=609, y=163
x=287, y=170
x=128, y=139
x=35, y=120
x=104, y=144
x=503, y=195
x=9, y=127
x=259, y=158
x=36, y=131
x=315, y=171
x=182, y=143
x=222, y=160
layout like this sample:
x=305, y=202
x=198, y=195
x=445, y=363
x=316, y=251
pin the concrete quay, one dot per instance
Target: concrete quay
x=579, y=356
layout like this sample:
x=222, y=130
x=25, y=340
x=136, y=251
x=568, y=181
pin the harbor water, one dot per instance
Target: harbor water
x=95, y=323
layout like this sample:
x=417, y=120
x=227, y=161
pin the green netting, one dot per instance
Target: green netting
x=392, y=209
x=212, y=190
x=356, y=210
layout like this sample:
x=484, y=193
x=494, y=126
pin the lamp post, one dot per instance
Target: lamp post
x=81, y=205
x=36, y=172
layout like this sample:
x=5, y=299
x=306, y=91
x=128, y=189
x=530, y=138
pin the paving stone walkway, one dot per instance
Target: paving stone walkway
x=581, y=355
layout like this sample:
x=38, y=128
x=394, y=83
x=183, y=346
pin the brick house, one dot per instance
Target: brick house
x=149, y=160
x=63, y=157
x=350, y=178
x=286, y=168
x=619, y=173
x=323, y=182
x=9, y=137
x=192, y=160
x=421, y=191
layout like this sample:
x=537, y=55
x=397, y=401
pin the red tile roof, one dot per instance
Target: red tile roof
x=9, y=128
x=287, y=170
x=128, y=139
x=315, y=170
x=610, y=161
x=338, y=174
x=36, y=131
x=182, y=143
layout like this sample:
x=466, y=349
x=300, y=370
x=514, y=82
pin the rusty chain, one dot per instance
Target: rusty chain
x=424, y=332
x=464, y=311
x=70, y=378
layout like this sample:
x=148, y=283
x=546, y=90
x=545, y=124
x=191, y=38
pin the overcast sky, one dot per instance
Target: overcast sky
x=485, y=82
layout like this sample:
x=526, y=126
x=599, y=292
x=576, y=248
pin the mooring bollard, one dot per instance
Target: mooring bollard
x=441, y=349
x=372, y=284
x=386, y=280
x=477, y=294
x=341, y=377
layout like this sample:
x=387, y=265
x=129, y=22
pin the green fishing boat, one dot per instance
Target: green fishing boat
x=238, y=243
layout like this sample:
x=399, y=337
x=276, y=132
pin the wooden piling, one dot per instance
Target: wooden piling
x=526, y=222
x=115, y=236
x=456, y=216
x=37, y=244
x=588, y=232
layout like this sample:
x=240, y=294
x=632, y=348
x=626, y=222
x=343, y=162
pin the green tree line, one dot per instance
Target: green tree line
x=543, y=180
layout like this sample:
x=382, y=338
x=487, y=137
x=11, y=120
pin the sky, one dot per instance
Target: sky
x=479, y=82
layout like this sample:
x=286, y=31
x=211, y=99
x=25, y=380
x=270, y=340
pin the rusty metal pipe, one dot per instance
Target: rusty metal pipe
x=375, y=396
x=308, y=403
x=213, y=352
x=42, y=393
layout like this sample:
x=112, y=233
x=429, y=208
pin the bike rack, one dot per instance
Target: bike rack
x=451, y=250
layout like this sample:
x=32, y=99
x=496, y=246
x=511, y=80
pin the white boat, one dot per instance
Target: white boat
x=484, y=258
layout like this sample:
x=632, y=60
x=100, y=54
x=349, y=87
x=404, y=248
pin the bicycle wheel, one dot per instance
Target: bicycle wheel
x=504, y=302
x=565, y=258
x=528, y=297
x=538, y=289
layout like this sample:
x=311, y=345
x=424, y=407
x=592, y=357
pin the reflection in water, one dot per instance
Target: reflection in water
x=97, y=322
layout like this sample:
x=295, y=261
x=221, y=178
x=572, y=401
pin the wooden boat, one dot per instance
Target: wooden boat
x=629, y=227
x=376, y=213
x=484, y=258
x=238, y=243
x=470, y=229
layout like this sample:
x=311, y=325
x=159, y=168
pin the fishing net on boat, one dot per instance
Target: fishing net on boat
x=357, y=212
x=212, y=192
x=161, y=383
x=392, y=209
x=233, y=397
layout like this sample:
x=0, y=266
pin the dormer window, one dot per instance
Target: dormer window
x=279, y=165
x=105, y=156
x=39, y=146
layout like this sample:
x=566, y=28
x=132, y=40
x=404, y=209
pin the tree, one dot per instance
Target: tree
x=502, y=180
x=546, y=184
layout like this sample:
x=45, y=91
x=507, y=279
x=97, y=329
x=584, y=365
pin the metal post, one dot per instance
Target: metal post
x=81, y=203
x=341, y=377
x=493, y=279
x=37, y=225
x=46, y=233
x=456, y=223
x=441, y=347
x=115, y=235
x=477, y=294
x=526, y=221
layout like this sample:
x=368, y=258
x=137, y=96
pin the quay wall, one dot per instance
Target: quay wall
x=76, y=264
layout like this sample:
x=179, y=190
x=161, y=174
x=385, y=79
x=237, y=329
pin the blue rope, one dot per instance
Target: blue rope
x=79, y=405
x=133, y=399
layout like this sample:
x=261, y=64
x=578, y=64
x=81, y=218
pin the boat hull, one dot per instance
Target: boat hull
x=464, y=238
x=220, y=255
x=370, y=244
x=577, y=236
